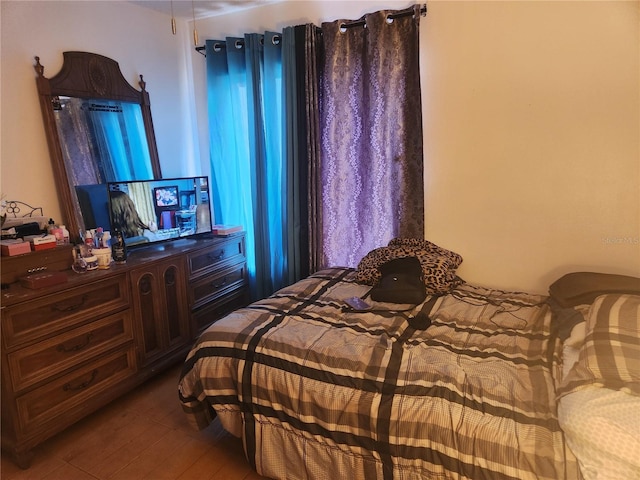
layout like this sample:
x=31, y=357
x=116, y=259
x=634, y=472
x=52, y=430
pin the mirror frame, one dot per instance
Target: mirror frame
x=88, y=76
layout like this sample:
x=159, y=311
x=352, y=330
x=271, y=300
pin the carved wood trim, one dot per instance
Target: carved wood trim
x=89, y=75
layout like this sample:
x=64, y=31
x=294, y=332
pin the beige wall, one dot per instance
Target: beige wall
x=139, y=39
x=531, y=118
x=533, y=138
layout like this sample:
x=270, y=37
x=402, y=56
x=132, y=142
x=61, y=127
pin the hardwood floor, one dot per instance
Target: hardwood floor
x=143, y=435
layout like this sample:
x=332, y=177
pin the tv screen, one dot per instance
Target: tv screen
x=149, y=211
x=167, y=197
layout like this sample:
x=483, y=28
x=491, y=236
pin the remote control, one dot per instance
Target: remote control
x=357, y=303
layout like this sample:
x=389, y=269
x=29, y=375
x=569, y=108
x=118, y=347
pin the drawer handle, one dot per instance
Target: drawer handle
x=70, y=388
x=221, y=284
x=70, y=308
x=217, y=257
x=63, y=348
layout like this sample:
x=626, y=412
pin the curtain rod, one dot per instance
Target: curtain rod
x=356, y=23
x=361, y=23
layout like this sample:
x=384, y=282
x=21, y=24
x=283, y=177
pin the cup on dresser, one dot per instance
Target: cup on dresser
x=104, y=257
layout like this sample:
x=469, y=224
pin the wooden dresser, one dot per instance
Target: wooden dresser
x=69, y=349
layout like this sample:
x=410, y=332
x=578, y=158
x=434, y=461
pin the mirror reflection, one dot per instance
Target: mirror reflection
x=102, y=140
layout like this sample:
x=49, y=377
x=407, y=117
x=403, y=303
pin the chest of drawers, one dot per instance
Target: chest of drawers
x=70, y=349
x=63, y=353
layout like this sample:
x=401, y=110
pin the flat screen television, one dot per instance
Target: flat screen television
x=149, y=211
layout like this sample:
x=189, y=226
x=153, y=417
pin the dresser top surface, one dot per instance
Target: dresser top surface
x=15, y=292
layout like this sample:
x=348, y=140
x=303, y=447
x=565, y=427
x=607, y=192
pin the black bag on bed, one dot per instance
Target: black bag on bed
x=401, y=282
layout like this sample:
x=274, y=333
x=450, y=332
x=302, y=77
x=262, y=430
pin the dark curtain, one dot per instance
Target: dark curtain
x=368, y=183
x=308, y=41
x=296, y=212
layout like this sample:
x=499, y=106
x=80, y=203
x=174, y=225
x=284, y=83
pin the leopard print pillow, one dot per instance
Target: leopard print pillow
x=454, y=259
x=367, y=271
x=438, y=271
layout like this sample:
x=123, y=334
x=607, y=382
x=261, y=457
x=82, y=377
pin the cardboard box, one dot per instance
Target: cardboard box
x=41, y=242
x=11, y=248
x=42, y=246
x=225, y=229
x=40, y=239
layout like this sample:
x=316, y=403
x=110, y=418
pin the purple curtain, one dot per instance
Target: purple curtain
x=311, y=58
x=370, y=177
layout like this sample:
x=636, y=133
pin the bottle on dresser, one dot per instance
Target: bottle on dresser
x=118, y=247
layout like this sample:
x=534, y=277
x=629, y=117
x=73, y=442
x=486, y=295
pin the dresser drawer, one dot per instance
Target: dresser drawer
x=53, y=313
x=230, y=250
x=206, y=315
x=67, y=394
x=50, y=357
x=212, y=286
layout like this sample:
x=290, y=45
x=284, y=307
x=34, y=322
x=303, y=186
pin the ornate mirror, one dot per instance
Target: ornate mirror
x=98, y=128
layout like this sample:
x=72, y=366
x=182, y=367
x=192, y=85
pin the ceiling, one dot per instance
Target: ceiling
x=201, y=8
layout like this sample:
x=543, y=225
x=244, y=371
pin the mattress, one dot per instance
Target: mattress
x=317, y=390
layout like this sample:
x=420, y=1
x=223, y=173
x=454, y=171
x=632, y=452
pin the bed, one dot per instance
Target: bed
x=318, y=390
x=598, y=387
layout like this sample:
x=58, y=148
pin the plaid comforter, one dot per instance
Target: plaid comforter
x=318, y=391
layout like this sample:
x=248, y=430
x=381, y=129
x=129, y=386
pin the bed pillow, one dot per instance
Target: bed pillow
x=583, y=287
x=418, y=243
x=610, y=354
x=438, y=272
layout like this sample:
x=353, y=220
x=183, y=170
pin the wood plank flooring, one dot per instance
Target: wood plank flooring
x=143, y=435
